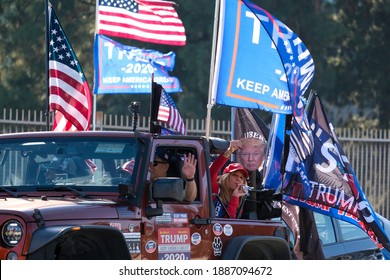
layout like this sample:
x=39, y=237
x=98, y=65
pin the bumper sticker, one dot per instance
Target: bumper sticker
x=174, y=244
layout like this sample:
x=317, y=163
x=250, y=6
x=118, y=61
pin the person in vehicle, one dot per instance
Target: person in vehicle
x=229, y=185
x=251, y=154
x=160, y=167
x=60, y=170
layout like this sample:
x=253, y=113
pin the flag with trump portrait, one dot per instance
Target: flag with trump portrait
x=69, y=93
x=153, y=21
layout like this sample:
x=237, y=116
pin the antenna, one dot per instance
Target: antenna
x=134, y=109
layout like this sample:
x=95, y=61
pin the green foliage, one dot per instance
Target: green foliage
x=348, y=41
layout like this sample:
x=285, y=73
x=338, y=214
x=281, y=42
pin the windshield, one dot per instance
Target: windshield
x=49, y=163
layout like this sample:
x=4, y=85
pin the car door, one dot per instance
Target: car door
x=172, y=235
x=343, y=240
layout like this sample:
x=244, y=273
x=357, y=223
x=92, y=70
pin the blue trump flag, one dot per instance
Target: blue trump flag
x=126, y=69
x=325, y=182
x=273, y=172
x=260, y=62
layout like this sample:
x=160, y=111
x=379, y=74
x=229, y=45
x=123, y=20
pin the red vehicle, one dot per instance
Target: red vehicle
x=64, y=195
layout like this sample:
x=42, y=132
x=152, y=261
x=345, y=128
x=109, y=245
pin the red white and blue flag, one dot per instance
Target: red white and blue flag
x=325, y=182
x=128, y=70
x=169, y=114
x=69, y=94
x=153, y=21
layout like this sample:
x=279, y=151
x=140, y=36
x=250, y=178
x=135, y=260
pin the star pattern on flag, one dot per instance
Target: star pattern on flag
x=60, y=49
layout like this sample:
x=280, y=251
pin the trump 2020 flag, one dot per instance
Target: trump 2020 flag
x=69, y=93
x=153, y=21
x=129, y=70
x=260, y=62
x=169, y=114
x=325, y=182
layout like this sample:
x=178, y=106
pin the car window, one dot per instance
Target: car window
x=57, y=161
x=350, y=231
x=175, y=158
x=325, y=228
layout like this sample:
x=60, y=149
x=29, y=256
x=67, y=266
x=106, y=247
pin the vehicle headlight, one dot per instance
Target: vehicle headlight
x=12, y=233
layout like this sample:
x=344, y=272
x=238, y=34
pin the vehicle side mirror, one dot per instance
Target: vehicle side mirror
x=165, y=189
x=168, y=189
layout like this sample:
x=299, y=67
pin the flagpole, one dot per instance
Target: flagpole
x=212, y=64
x=94, y=97
x=47, y=24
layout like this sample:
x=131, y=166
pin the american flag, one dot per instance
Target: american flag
x=69, y=93
x=153, y=21
x=169, y=114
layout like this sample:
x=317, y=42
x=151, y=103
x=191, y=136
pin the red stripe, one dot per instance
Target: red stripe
x=140, y=28
x=124, y=17
x=156, y=3
x=163, y=114
x=59, y=117
x=139, y=38
x=70, y=100
x=69, y=117
x=78, y=85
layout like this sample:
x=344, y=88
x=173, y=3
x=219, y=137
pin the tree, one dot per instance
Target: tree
x=347, y=39
x=364, y=56
x=20, y=70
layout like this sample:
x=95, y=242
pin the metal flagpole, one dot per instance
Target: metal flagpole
x=94, y=97
x=47, y=24
x=212, y=64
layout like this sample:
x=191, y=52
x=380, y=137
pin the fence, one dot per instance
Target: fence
x=367, y=150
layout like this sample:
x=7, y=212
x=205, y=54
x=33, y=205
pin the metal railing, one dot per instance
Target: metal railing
x=367, y=150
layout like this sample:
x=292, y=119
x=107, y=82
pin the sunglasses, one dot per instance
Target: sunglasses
x=157, y=162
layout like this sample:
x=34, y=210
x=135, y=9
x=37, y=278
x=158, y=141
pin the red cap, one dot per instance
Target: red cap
x=233, y=167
